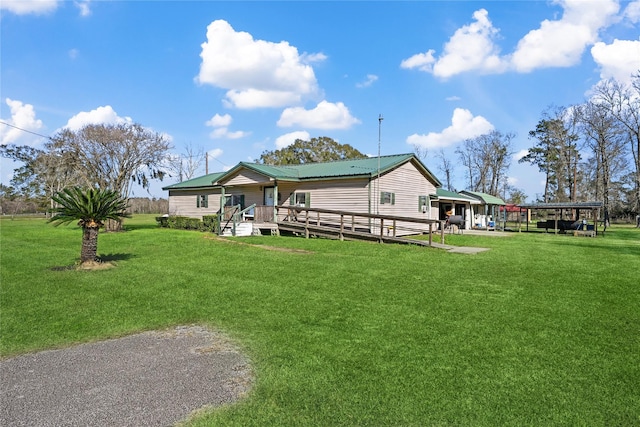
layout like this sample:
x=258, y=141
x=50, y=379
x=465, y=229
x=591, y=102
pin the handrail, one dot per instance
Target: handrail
x=361, y=214
x=292, y=210
x=236, y=207
x=238, y=214
x=235, y=217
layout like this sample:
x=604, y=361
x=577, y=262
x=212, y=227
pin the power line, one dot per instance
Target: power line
x=25, y=130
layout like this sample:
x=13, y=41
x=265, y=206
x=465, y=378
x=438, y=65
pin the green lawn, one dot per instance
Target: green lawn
x=540, y=330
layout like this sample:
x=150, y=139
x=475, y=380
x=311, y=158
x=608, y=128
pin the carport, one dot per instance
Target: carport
x=572, y=212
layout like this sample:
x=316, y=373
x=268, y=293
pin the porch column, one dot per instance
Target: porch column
x=275, y=201
x=221, y=215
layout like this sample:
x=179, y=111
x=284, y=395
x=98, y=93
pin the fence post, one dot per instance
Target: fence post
x=381, y=229
x=306, y=224
x=341, y=226
x=430, y=233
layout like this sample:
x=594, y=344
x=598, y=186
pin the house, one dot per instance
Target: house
x=195, y=197
x=487, y=211
x=398, y=185
x=452, y=203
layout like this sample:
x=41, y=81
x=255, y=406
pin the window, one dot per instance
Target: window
x=301, y=199
x=387, y=198
x=234, y=200
x=423, y=204
x=202, y=201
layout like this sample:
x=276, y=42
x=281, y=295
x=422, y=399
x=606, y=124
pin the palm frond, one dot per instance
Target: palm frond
x=88, y=205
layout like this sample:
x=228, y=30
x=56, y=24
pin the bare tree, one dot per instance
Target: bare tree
x=446, y=167
x=624, y=104
x=114, y=157
x=486, y=159
x=186, y=164
x=555, y=154
x=420, y=151
x=606, y=138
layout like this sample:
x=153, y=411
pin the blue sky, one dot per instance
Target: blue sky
x=237, y=78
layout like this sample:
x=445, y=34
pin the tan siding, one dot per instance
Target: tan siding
x=184, y=203
x=407, y=183
x=246, y=177
x=346, y=194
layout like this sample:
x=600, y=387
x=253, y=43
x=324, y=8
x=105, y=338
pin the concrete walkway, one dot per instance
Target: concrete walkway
x=459, y=249
x=147, y=379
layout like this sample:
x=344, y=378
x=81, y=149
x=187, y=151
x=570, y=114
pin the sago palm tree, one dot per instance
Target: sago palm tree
x=91, y=207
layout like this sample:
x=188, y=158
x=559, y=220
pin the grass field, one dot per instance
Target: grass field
x=540, y=330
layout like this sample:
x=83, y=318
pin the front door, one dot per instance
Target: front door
x=269, y=196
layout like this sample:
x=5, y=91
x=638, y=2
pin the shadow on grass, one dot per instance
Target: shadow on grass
x=103, y=259
x=115, y=257
x=134, y=227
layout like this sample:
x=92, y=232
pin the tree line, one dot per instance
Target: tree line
x=590, y=151
x=586, y=152
x=101, y=156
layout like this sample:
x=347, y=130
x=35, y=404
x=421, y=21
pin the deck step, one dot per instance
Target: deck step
x=242, y=229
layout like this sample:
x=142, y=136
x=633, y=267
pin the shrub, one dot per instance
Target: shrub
x=208, y=223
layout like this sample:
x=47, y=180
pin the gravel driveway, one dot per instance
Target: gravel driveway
x=147, y=379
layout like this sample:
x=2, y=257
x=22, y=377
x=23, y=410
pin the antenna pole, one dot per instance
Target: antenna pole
x=380, y=119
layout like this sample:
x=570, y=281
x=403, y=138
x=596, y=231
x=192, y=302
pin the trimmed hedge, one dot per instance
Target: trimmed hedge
x=207, y=223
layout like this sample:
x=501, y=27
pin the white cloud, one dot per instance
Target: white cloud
x=25, y=7
x=313, y=57
x=470, y=48
x=289, y=138
x=73, y=53
x=23, y=116
x=453, y=98
x=561, y=43
x=83, y=7
x=520, y=154
x=619, y=60
x=326, y=115
x=218, y=120
x=632, y=12
x=371, y=79
x=257, y=73
x=215, y=153
x=463, y=126
x=224, y=133
x=221, y=128
x=101, y=115
x=556, y=43
x=421, y=61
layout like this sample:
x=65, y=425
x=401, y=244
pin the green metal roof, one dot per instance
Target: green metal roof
x=338, y=169
x=485, y=198
x=452, y=195
x=199, y=182
x=563, y=205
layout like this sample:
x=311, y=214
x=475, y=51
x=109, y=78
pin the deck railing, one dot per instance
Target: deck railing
x=355, y=225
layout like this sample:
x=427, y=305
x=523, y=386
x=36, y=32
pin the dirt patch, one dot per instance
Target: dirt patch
x=86, y=266
x=266, y=247
x=156, y=378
